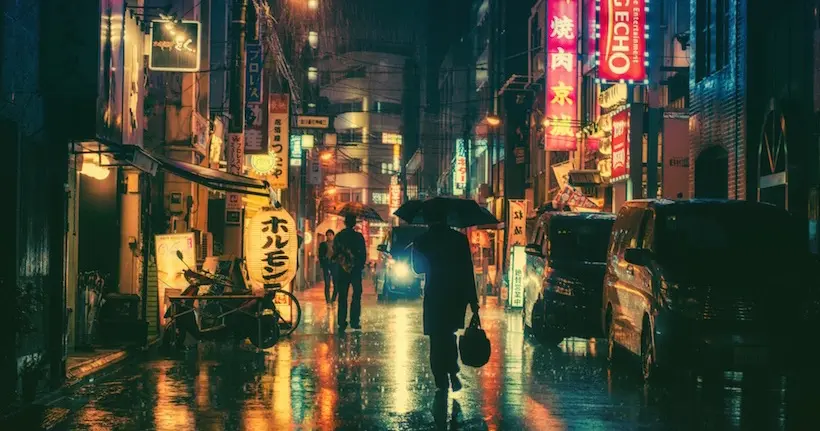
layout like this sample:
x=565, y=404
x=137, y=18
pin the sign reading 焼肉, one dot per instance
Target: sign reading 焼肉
x=174, y=46
x=622, y=54
x=620, y=145
x=279, y=138
x=561, y=87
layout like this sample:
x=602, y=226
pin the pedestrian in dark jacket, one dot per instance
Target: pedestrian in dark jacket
x=443, y=254
x=328, y=265
x=350, y=254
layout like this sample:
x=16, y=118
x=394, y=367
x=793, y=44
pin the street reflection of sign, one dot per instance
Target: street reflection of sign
x=518, y=263
x=279, y=138
x=271, y=247
x=174, y=46
x=169, y=267
x=517, y=223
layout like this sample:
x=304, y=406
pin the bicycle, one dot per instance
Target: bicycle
x=288, y=309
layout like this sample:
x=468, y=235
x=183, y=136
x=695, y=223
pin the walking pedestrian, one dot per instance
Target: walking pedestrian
x=350, y=254
x=328, y=266
x=443, y=254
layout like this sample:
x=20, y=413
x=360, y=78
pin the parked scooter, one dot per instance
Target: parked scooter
x=217, y=310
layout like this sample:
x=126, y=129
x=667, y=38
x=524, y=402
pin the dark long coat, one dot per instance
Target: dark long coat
x=443, y=254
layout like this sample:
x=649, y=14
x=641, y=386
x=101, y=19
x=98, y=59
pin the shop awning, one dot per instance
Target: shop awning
x=213, y=178
x=586, y=177
x=123, y=155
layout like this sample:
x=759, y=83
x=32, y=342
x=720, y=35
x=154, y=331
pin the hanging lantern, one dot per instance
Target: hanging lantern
x=271, y=247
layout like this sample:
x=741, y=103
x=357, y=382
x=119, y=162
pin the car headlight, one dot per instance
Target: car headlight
x=401, y=270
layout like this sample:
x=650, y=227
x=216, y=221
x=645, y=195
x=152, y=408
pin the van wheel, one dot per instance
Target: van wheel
x=648, y=366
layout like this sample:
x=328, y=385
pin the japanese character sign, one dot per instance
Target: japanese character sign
x=620, y=145
x=460, y=169
x=517, y=222
x=254, y=74
x=271, y=247
x=562, y=82
x=279, y=139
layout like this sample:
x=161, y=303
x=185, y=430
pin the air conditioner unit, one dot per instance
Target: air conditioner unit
x=204, y=245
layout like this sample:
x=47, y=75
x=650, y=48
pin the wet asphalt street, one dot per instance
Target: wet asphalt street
x=379, y=379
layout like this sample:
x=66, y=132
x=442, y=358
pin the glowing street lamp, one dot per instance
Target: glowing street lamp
x=313, y=4
x=326, y=156
x=330, y=191
x=493, y=120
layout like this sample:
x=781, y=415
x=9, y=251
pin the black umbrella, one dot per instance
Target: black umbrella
x=359, y=210
x=461, y=213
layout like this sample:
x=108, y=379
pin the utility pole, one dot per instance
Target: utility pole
x=236, y=125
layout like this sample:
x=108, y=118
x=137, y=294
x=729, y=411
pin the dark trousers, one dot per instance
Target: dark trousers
x=329, y=275
x=443, y=356
x=343, y=282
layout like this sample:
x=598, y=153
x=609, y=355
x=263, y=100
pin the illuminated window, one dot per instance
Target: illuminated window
x=380, y=198
x=387, y=168
x=391, y=138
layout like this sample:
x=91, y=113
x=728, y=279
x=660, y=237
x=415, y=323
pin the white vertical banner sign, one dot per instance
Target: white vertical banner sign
x=235, y=157
x=315, y=177
x=517, y=223
x=279, y=136
x=518, y=263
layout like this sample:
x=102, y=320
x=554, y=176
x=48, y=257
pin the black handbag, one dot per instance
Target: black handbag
x=474, y=346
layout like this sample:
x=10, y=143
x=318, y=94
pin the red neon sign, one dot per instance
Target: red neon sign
x=620, y=145
x=622, y=41
x=562, y=85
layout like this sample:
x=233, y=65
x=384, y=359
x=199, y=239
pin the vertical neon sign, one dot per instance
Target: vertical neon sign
x=562, y=79
x=622, y=33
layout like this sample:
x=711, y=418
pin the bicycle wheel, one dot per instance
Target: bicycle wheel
x=288, y=310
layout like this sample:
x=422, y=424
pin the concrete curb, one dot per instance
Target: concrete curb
x=79, y=374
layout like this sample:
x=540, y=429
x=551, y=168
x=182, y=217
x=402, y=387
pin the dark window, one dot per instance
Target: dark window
x=356, y=72
x=388, y=108
x=712, y=36
x=350, y=136
x=582, y=240
x=342, y=107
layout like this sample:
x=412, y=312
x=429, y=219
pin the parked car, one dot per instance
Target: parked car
x=727, y=284
x=394, y=273
x=566, y=261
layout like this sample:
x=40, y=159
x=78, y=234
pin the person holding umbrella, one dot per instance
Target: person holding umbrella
x=443, y=254
x=349, y=254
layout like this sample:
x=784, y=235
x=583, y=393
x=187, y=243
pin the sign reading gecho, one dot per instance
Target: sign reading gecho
x=174, y=46
x=622, y=54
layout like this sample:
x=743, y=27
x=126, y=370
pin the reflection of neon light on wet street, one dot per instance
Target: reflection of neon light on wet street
x=399, y=361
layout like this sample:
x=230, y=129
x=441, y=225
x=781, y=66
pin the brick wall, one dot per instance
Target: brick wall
x=717, y=104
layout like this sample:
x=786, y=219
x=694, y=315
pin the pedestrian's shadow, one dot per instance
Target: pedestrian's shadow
x=440, y=412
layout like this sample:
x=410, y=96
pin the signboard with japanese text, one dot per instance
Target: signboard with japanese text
x=315, y=176
x=199, y=131
x=620, y=145
x=254, y=76
x=312, y=122
x=279, y=138
x=518, y=264
x=254, y=127
x=174, y=46
x=271, y=247
x=296, y=150
x=170, y=268
x=622, y=54
x=562, y=78
x=460, y=169
x=235, y=153
x=517, y=222
x=675, y=158
x=395, y=194
x=613, y=96
x=233, y=209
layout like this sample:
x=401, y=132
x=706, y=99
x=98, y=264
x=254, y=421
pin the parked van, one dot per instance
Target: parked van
x=727, y=284
x=566, y=261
